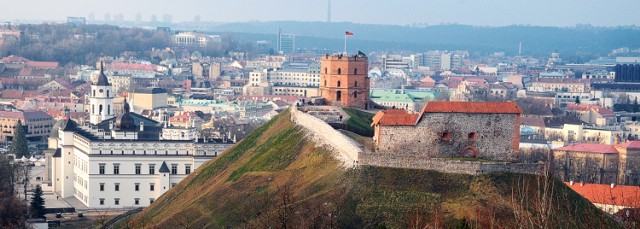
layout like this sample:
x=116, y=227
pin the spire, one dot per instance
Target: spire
x=102, y=78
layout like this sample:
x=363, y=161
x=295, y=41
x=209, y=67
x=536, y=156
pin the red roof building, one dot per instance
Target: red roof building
x=609, y=197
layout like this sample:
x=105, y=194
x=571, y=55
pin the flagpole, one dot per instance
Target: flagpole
x=345, y=43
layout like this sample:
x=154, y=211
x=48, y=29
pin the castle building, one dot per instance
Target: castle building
x=124, y=161
x=344, y=80
x=488, y=130
x=599, y=163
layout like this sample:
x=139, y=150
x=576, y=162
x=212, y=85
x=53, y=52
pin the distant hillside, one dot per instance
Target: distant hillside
x=536, y=40
x=278, y=177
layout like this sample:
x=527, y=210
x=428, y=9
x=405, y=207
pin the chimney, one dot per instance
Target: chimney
x=581, y=183
x=111, y=125
x=613, y=185
x=570, y=183
x=141, y=126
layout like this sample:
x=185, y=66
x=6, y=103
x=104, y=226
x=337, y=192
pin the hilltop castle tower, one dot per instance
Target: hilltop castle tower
x=344, y=80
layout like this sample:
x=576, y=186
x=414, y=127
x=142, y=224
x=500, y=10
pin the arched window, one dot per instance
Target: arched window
x=325, y=83
x=338, y=83
x=93, y=109
x=100, y=109
x=355, y=71
x=326, y=71
x=338, y=96
x=94, y=93
x=107, y=93
x=355, y=84
x=339, y=71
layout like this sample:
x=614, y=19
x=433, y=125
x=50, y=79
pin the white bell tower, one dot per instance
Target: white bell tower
x=100, y=99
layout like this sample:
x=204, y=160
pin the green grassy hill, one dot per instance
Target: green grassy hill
x=278, y=178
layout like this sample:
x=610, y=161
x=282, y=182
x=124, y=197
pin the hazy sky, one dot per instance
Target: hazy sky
x=473, y=12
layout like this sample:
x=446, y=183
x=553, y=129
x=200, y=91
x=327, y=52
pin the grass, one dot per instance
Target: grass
x=359, y=119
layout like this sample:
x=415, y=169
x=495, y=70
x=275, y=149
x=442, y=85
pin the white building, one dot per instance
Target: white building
x=125, y=161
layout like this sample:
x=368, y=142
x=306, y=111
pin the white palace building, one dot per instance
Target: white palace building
x=124, y=161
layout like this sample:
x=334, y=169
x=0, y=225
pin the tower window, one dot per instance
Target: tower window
x=355, y=84
x=355, y=94
x=338, y=96
x=100, y=109
x=355, y=71
x=339, y=71
x=338, y=83
x=94, y=93
x=107, y=93
x=325, y=83
x=108, y=108
x=325, y=71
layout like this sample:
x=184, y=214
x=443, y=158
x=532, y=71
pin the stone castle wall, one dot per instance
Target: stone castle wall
x=494, y=137
x=449, y=165
x=346, y=148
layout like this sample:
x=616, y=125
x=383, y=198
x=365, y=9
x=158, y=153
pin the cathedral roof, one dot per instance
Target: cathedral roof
x=102, y=78
x=54, y=130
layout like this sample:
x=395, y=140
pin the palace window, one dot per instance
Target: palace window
x=174, y=169
x=152, y=187
x=116, y=169
x=136, y=201
x=137, y=187
x=152, y=168
x=187, y=169
x=138, y=168
x=101, y=169
x=117, y=187
x=116, y=201
x=101, y=187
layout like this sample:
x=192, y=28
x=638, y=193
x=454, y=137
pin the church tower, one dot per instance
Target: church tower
x=101, y=99
x=344, y=80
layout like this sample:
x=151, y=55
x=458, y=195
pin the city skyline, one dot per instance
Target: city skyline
x=433, y=12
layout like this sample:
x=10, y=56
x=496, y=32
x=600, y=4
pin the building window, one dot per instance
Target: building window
x=472, y=136
x=152, y=187
x=187, y=169
x=355, y=71
x=94, y=93
x=339, y=71
x=117, y=187
x=101, y=187
x=136, y=201
x=101, y=169
x=152, y=169
x=138, y=166
x=355, y=84
x=355, y=94
x=338, y=95
x=338, y=83
x=137, y=187
x=116, y=201
x=445, y=136
x=173, y=185
x=116, y=169
x=326, y=71
x=101, y=201
x=174, y=169
x=151, y=200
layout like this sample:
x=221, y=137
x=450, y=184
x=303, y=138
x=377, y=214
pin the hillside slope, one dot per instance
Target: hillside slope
x=278, y=177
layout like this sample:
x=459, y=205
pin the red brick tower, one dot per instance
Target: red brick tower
x=344, y=80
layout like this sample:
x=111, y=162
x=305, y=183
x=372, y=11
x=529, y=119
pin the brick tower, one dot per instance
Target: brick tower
x=344, y=80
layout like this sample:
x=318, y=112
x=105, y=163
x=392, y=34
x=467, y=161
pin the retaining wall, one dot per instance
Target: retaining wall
x=346, y=148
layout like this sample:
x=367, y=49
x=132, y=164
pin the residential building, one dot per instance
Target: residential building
x=149, y=99
x=37, y=124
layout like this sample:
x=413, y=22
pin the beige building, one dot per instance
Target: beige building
x=149, y=99
x=38, y=124
x=197, y=69
x=559, y=85
x=580, y=133
x=215, y=70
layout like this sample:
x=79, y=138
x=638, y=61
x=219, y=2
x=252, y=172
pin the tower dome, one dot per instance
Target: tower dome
x=125, y=122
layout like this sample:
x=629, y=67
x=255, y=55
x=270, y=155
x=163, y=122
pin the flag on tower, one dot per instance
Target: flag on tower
x=347, y=33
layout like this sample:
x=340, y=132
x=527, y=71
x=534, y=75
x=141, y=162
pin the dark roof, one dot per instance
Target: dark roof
x=164, y=168
x=153, y=90
x=57, y=153
x=70, y=125
x=102, y=78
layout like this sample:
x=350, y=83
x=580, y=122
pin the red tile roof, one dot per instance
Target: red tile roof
x=472, y=107
x=42, y=65
x=394, y=118
x=589, y=148
x=14, y=59
x=620, y=195
x=630, y=145
x=131, y=66
x=532, y=121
